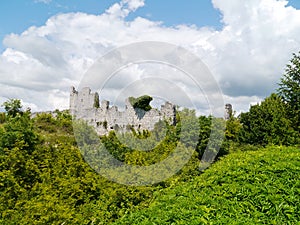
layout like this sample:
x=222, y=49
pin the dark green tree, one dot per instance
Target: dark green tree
x=141, y=102
x=18, y=132
x=13, y=107
x=267, y=123
x=289, y=89
x=204, y=133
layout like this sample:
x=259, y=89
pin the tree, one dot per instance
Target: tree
x=13, y=107
x=141, y=102
x=189, y=126
x=267, y=123
x=233, y=127
x=18, y=132
x=289, y=89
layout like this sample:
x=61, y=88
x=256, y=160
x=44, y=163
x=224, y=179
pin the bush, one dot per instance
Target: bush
x=141, y=102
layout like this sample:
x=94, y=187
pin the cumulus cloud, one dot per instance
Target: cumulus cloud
x=254, y=45
x=123, y=8
x=247, y=56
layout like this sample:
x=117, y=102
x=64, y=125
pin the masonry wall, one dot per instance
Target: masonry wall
x=106, y=118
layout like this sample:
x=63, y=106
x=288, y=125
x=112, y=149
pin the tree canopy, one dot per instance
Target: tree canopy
x=267, y=123
x=289, y=89
x=13, y=107
x=141, y=102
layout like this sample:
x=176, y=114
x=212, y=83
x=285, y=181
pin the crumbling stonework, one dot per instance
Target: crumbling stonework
x=228, y=111
x=85, y=105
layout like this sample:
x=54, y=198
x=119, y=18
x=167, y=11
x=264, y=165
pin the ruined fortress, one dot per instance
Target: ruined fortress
x=104, y=118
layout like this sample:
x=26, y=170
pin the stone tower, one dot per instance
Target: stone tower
x=228, y=111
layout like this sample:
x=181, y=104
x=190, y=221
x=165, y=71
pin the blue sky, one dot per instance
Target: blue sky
x=245, y=44
x=16, y=16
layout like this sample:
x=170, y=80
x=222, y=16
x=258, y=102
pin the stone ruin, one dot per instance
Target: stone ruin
x=228, y=111
x=104, y=118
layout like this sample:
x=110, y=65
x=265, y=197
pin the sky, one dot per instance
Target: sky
x=49, y=45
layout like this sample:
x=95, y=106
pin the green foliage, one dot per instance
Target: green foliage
x=47, y=181
x=260, y=187
x=188, y=127
x=18, y=132
x=2, y=117
x=18, y=170
x=96, y=100
x=204, y=133
x=115, y=147
x=46, y=122
x=64, y=121
x=233, y=128
x=217, y=143
x=268, y=123
x=201, y=133
x=13, y=107
x=45, y=177
x=154, y=150
x=141, y=102
x=290, y=90
x=59, y=121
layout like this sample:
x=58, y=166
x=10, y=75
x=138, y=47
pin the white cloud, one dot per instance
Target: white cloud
x=43, y=1
x=123, y=8
x=255, y=44
x=247, y=56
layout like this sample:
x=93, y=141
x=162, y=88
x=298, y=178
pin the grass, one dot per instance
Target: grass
x=253, y=187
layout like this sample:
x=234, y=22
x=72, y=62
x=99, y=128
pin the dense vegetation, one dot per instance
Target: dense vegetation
x=253, y=187
x=45, y=177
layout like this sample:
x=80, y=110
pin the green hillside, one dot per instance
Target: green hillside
x=45, y=180
x=48, y=167
x=256, y=187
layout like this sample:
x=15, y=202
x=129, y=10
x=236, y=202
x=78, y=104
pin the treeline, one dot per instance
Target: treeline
x=276, y=120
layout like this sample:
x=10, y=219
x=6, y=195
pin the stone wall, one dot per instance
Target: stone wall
x=83, y=105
